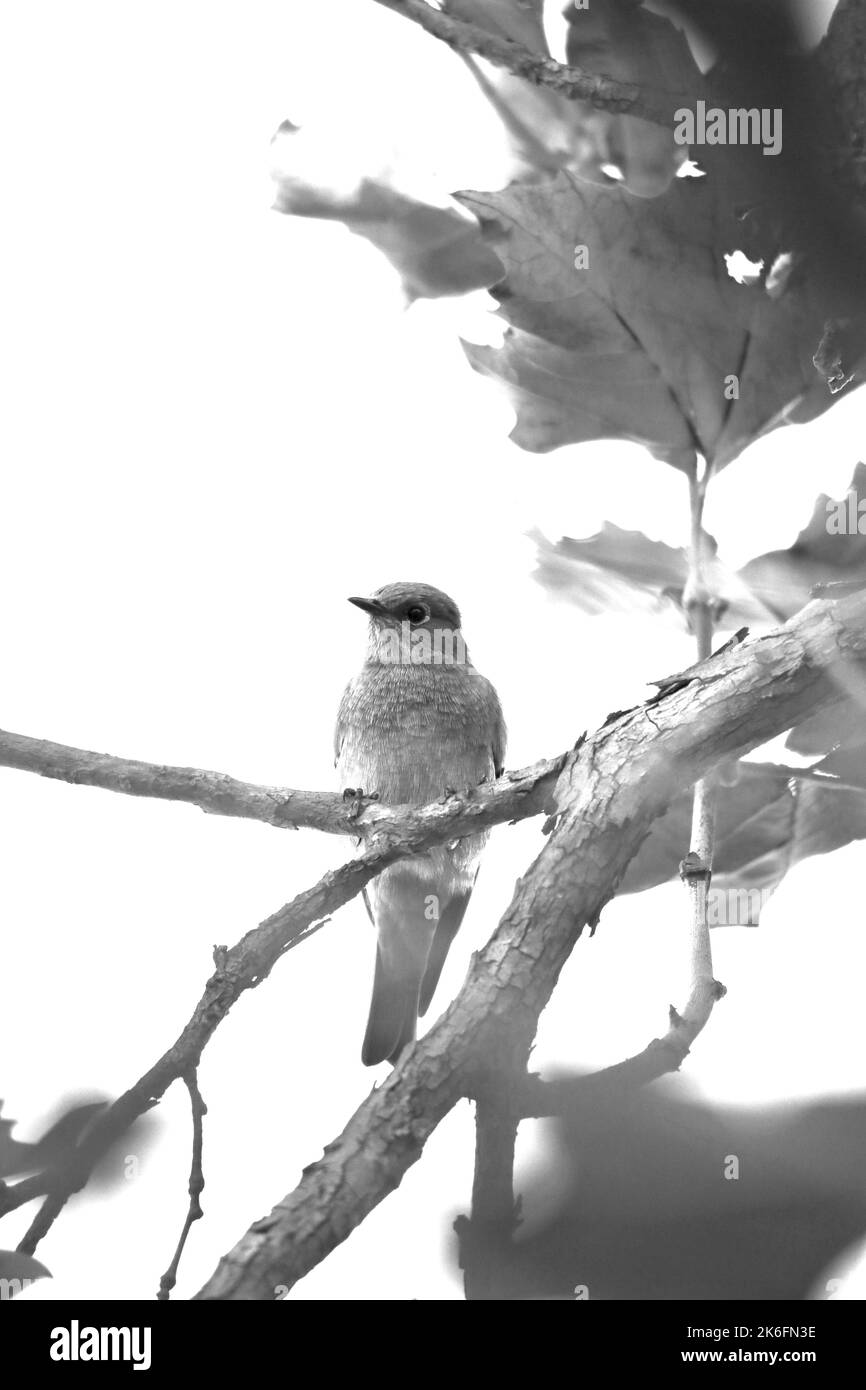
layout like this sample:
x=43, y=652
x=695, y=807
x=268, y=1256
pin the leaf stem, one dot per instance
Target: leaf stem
x=697, y=868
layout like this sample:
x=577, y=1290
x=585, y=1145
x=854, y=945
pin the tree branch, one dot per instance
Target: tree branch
x=513, y=796
x=610, y=791
x=572, y=82
x=390, y=836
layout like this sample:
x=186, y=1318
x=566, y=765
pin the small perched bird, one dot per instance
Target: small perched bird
x=417, y=722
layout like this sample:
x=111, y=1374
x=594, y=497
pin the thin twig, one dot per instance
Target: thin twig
x=196, y=1183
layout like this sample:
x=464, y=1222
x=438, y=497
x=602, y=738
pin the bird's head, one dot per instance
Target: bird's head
x=413, y=624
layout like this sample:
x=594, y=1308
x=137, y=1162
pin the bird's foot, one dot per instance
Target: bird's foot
x=359, y=800
x=463, y=795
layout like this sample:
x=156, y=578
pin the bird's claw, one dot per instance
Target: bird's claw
x=358, y=798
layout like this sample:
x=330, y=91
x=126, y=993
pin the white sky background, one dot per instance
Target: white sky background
x=217, y=423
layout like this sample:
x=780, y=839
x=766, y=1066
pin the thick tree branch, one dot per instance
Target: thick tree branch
x=542, y=71
x=513, y=797
x=610, y=791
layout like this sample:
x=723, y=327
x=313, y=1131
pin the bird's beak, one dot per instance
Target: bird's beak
x=369, y=605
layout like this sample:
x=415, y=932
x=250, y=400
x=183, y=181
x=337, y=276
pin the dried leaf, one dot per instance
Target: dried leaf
x=436, y=250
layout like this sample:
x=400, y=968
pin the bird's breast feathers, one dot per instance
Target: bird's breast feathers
x=409, y=732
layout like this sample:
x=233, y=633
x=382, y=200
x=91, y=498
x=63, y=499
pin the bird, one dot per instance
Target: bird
x=417, y=722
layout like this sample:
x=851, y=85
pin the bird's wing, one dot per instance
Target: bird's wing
x=342, y=718
x=500, y=737
x=367, y=903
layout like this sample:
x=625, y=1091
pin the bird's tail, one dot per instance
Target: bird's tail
x=406, y=923
x=393, y=1014
x=447, y=929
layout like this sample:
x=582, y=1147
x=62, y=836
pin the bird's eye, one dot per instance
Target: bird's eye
x=417, y=614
